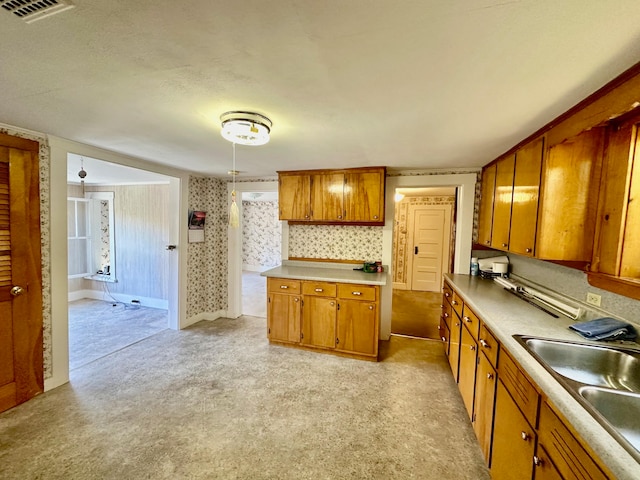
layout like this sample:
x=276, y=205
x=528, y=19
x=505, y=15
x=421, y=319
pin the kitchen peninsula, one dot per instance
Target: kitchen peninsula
x=326, y=307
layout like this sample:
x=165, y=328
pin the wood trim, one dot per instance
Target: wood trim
x=324, y=260
x=327, y=170
x=627, y=287
x=342, y=222
x=19, y=143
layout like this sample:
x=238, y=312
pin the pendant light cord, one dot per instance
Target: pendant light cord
x=234, y=168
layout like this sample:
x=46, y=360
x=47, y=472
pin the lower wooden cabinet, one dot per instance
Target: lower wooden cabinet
x=455, y=332
x=543, y=468
x=485, y=395
x=514, y=441
x=467, y=373
x=324, y=316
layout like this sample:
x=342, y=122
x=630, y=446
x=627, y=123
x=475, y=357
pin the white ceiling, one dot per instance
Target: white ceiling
x=407, y=84
x=99, y=172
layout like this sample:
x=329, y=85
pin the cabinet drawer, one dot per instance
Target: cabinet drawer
x=447, y=312
x=564, y=450
x=357, y=292
x=471, y=321
x=281, y=285
x=488, y=345
x=447, y=292
x=523, y=392
x=457, y=304
x=320, y=289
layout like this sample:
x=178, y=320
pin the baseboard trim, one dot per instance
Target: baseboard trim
x=209, y=316
x=120, y=297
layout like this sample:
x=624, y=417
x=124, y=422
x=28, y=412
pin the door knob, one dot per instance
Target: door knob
x=17, y=290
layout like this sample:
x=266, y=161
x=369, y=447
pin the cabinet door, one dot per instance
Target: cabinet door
x=327, y=197
x=294, y=196
x=319, y=322
x=467, y=374
x=483, y=404
x=568, y=203
x=544, y=469
x=443, y=331
x=502, y=203
x=486, y=204
x=283, y=317
x=357, y=327
x=514, y=441
x=526, y=186
x=455, y=331
x=364, y=196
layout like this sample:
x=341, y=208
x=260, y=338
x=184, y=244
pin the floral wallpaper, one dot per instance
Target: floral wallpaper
x=45, y=242
x=261, y=234
x=400, y=233
x=207, y=261
x=335, y=242
x=105, y=241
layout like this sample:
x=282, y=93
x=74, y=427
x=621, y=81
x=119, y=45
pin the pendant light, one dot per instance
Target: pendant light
x=82, y=174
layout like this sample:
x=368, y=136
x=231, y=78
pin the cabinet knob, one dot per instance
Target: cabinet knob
x=370, y=307
x=284, y=287
x=489, y=376
x=467, y=319
x=472, y=347
x=525, y=436
x=457, y=324
x=318, y=290
x=446, y=315
x=537, y=461
x=443, y=339
x=296, y=299
x=453, y=302
x=504, y=245
x=339, y=217
x=439, y=327
x=332, y=303
x=484, y=344
x=306, y=216
x=356, y=293
x=375, y=217
x=528, y=250
x=488, y=242
x=441, y=306
x=447, y=294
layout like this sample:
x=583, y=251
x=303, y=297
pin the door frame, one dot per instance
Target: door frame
x=465, y=203
x=234, y=250
x=178, y=216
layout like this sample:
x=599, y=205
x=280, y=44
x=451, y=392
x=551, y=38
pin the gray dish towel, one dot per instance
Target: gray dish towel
x=606, y=328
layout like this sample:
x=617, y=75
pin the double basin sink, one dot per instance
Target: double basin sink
x=604, y=379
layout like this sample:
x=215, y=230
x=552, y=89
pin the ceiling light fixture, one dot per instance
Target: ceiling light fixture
x=245, y=128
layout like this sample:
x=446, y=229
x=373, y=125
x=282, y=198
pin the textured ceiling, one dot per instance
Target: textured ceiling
x=407, y=84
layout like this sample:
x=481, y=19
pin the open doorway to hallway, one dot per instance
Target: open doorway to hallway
x=423, y=250
x=118, y=263
x=261, y=248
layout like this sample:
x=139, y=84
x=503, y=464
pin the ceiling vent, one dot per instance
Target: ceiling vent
x=32, y=10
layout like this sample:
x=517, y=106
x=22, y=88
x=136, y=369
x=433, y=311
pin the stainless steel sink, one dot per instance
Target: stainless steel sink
x=620, y=409
x=604, y=379
x=590, y=364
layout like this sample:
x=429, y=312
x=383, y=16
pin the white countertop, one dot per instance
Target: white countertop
x=326, y=272
x=507, y=315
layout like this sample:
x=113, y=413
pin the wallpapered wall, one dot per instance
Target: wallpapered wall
x=400, y=233
x=261, y=234
x=335, y=242
x=45, y=243
x=207, y=261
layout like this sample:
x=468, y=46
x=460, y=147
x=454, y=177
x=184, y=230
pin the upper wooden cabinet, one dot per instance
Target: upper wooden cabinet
x=568, y=201
x=486, y=204
x=503, y=197
x=353, y=196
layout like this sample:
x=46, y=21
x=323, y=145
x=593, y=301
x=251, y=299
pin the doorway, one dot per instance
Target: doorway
x=423, y=240
x=118, y=270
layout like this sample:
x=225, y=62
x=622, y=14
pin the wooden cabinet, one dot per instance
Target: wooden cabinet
x=514, y=440
x=467, y=369
x=294, y=197
x=568, y=199
x=503, y=197
x=524, y=209
x=364, y=196
x=348, y=196
x=563, y=450
x=328, y=316
x=357, y=323
x=543, y=468
x=486, y=204
x=284, y=307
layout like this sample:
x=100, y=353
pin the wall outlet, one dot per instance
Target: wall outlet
x=138, y=302
x=594, y=299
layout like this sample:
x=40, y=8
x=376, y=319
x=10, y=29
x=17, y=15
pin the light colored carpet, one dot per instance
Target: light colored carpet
x=254, y=294
x=216, y=401
x=98, y=328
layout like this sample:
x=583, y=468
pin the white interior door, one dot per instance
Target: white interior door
x=431, y=235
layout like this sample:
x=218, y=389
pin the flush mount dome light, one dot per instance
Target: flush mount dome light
x=245, y=128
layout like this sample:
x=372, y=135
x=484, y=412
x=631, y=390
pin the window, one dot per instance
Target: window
x=79, y=237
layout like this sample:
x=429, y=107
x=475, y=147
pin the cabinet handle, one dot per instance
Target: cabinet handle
x=318, y=290
x=284, y=287
x=375, y=217
x=525, y=436
x=441, y=306
x=537, y=461
x=339, y=217
x=472, y=347
x=296, y=299
x=528, y=250
x=439, y=327
x=489, y=376
x=370, y=307
x=332, y=304
x=504, y=244
x=484, y=344
x=306, y=216
x=443, y=339
x=447, y=294
x=457, y=324
x=446, y=315
x=488, y=242
x=356, y=293
x=467, y=319
x=453, y=302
